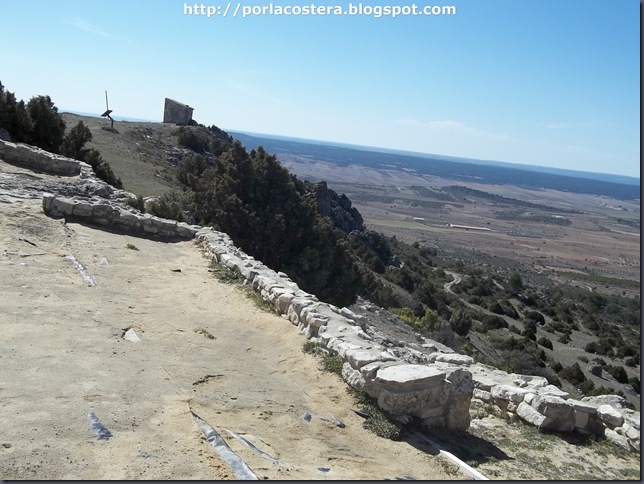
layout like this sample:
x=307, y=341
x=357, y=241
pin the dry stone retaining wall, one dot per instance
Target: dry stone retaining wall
x=547, y=407
x=37, y=159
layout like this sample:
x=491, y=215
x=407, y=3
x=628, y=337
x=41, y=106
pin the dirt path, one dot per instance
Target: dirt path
x=204, y=348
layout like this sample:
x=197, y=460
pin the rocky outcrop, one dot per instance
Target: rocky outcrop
x=337, y=207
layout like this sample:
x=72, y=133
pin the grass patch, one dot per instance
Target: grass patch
x=378, y=422
x=226, y=276
x=331, y=362
x=259, y=301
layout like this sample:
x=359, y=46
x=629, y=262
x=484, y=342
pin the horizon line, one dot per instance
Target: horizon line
x=420, y=154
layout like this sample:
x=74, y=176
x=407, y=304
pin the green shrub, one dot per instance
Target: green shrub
x=491, y=321
x=73, y=145
x=193, y=139
x=136, y=202
x=332, y=363
x=535, y=316
x=190, y=168
x=618, y=373
x=635, y=383
x=14, y=117
x=564, y=338
x=167, y=206
x=102, y=168
x=632, y=362
x=545, y=342
x=48, y=127
x=573, y=374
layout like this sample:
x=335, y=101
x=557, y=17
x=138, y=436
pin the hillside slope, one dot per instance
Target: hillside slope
x=575, y=318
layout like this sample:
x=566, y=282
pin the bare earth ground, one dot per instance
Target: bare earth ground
x=63, y=355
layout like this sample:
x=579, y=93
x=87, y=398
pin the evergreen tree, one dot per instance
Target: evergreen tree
x=73, y=145
x=48, y=127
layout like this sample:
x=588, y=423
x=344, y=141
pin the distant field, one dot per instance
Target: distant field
x=493, y=173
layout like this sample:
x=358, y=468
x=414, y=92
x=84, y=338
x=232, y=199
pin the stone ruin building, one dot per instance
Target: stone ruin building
x=176, y=112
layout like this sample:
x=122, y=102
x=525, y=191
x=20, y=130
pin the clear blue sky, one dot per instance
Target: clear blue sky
x=546, y=82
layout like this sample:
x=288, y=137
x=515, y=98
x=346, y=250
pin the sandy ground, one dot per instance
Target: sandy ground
x=205, y=347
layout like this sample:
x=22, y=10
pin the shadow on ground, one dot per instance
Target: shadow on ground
x=467, y=447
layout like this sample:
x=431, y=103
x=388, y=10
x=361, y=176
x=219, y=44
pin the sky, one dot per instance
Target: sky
x=542, y=82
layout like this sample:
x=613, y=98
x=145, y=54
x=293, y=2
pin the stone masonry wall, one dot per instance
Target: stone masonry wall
x=176, y=112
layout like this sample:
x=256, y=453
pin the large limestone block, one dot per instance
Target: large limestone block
x=104, y=211
x=553, y=407
x=631, y=417
x=582, y=419
x=186, y=230
x=128, y=219
x=554, y=391
x=454, y=359
x=425, y=392
x=283, y=302
x=631, y=432
x=525, y=381
x=341, y=347
x=62, y=206
x=82, y=209
x=485, y=377
x=370, y=370
x=509, y=393
x=347, y=313
x=482, y=395
x=356, y=380
x=461, y=382
x=617, y=439
x=47, y=200
x=615, y=401
x=531, y=416
x=409, y=377
x=168, y=228
x=610, y=416
x=583, y=407
x=361, y=357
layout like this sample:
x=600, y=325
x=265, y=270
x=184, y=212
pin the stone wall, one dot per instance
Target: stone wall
x=535, y=402
x=36, y=159
x=176, y=112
